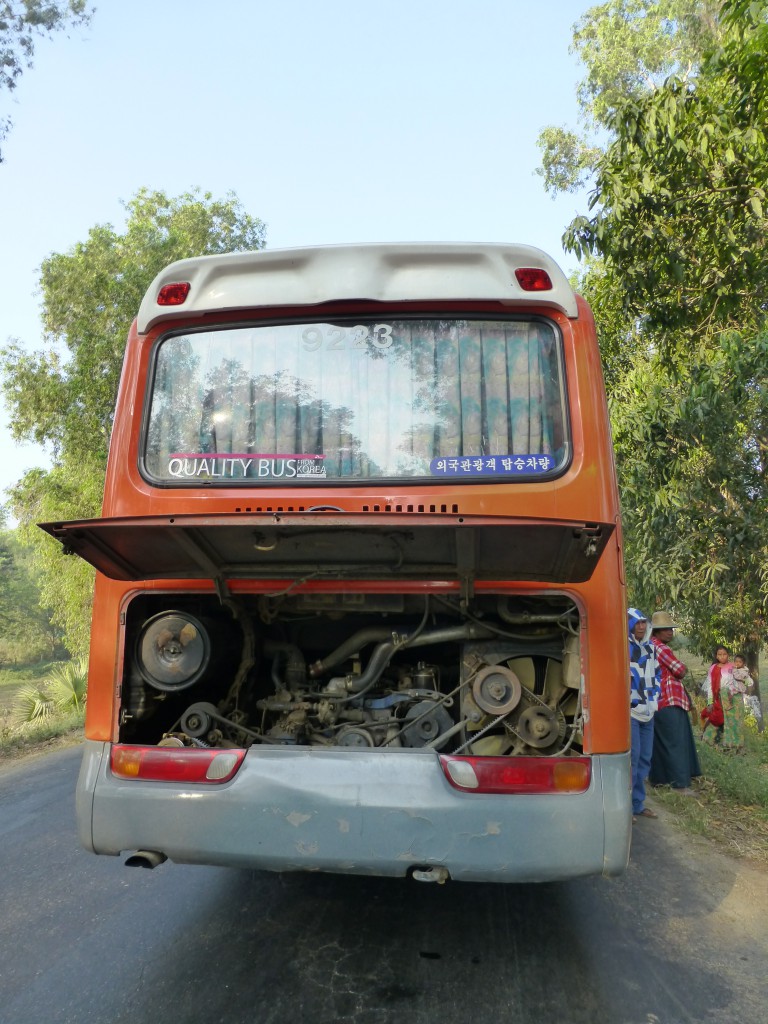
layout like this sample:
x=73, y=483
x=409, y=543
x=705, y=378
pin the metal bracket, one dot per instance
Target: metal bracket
x=466, y=563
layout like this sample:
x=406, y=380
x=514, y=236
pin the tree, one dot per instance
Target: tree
x=64, y=395
x=22, y=24
x=26, y=631
x=680, y=234
x=629, y=48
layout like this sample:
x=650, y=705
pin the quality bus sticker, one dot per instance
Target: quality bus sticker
x=239, y=466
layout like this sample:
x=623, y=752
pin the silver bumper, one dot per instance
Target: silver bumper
x=370, y=813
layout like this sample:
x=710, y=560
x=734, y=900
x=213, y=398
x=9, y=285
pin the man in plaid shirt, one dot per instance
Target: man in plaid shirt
x=675, y=760
x=673, y=693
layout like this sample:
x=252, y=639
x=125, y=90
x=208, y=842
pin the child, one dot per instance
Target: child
x=716, y=688
x=742, y=677
x=732, y=690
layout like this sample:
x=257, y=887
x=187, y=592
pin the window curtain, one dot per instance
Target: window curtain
x=438, y=389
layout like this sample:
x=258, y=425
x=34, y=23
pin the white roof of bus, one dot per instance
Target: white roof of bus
x=407, y=272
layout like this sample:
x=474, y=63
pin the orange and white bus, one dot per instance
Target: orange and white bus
x=359, y=604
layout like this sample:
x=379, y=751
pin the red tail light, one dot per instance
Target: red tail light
x=532, y=279
x=518, y=774
x=175, y=764
x=173, y=294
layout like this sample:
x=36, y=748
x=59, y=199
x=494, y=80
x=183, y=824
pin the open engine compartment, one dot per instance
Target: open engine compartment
x=500, y=676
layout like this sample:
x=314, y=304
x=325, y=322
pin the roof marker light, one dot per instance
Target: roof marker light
x=173, y=294
x=533, y=279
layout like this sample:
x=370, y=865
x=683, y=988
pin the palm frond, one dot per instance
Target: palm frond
x=31, y=704
x=67, y=685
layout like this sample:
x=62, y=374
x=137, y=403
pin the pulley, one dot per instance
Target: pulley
x=538, y=726
x=354, y=736
x=199, y=719
x=496, y=689
x=424, y=722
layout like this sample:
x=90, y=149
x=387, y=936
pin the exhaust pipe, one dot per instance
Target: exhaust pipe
x=145, y=859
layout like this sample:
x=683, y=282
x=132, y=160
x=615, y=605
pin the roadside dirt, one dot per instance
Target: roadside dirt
x=737, y=882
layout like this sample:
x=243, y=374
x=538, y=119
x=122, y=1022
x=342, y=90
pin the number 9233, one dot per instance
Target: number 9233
x=321, y=336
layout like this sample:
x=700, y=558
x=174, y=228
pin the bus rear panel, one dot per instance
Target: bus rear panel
x=359, y=604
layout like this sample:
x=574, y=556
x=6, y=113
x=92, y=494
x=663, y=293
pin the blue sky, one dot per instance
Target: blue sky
x=332, y=121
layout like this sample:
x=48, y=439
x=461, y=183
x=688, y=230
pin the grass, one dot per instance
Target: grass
x=731, y=803
x=12, y=679
x=39, y=736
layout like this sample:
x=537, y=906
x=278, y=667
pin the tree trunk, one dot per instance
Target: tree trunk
x=752, y=657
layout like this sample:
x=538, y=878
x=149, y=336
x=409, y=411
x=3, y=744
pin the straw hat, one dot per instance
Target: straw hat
x=662, y=620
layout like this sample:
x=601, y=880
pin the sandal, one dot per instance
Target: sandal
x=647, y=813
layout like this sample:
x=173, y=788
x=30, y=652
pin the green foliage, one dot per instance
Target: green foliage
x=628, y=48
x=679, y=216
x=70, y=490
x=693, y=488
x=31, y=704
x=67, y=686
x=567, y=161
x=676, y=265
x=740, y=778
x=22, y=24
x=621, y=342
x=26, y=631
x=15, y=741
x=64, y=396
x=63, y=693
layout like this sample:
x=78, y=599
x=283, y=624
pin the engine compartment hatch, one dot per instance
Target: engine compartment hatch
x=330, y=545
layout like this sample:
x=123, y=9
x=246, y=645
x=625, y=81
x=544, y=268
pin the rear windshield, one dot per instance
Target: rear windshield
x=410, y=399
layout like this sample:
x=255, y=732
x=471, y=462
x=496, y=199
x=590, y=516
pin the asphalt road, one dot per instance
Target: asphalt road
x=682, y=937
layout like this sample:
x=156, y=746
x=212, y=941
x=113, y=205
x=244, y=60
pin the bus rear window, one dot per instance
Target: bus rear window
x=422, y=399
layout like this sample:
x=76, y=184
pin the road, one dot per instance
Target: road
x=682, y=937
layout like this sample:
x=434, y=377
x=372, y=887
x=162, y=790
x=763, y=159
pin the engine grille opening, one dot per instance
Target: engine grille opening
x=500, y=677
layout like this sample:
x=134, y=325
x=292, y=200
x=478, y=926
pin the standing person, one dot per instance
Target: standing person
x=733, y=686
x=675, y=760
x=719, y=679
x=643, y=701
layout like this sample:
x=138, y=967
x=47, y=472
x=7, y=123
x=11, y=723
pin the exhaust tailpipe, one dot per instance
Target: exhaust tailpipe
x=145, y=859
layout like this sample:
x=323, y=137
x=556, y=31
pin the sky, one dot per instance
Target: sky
x=331, y=121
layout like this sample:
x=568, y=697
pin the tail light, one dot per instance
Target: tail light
x=174, y=764
x=518, y=774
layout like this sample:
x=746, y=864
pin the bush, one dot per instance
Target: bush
x=62, y=693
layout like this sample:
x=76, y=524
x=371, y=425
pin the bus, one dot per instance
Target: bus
x=359, y=602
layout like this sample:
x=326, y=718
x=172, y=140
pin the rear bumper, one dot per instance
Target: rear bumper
x=369, y=813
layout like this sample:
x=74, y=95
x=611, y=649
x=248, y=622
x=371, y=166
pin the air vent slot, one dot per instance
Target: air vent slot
x=410, y=509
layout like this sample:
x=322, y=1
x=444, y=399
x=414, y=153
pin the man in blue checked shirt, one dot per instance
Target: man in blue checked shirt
x=644, y=698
